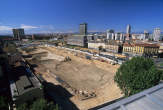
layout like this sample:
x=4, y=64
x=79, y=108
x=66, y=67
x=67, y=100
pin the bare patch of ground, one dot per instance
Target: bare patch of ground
x=79, y=73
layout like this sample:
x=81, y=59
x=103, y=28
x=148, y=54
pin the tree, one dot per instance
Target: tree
x=3, y=104
x=137, y=74
x=100, y=48
x=40, y=104
x=22, y=107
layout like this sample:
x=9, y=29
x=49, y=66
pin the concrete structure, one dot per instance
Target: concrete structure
x=122, y=37
x=146, y=35
x=114, y=36
x=140, y=49
x=18, y=33
x=150, y=99
x=128, y=29
x=113, y=46
x=117, y=36
x=110, y=46
x=24, y=85
x=136, y=36
x=78, y=40
x=83, y=29
x=128, y=32
x=156, y=34
x=110, y=34
x=96, y=45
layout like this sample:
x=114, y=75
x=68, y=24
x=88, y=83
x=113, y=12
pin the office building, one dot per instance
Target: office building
x=18, y=33
x=83, y=29
x=122, y=37
x=117, y=36
x=78, y=40
x=146, y=35
x=96, y=44
x=156, y=34
x=128, y=32
x=110, y=34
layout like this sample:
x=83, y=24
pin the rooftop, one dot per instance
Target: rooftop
x=22, y=80
x=150, y=99
x=141, y=44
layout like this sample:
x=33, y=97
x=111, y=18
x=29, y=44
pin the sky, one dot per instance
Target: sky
x=46, y=16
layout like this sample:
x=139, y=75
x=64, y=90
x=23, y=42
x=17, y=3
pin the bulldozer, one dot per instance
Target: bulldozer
x=67, y=58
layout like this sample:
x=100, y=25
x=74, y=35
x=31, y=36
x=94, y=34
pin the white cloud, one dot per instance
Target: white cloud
x=5, y=28
x=28, y=26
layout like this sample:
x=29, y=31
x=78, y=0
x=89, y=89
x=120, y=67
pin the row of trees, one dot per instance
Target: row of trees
x=137, y=74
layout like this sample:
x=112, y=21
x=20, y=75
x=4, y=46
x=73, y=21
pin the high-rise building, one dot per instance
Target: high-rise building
x=146, y=35
x=117, y=36
x=83, y=29
x=156, y=34
x=110, y=34
x=18, y=33
x=128, y=31
x=80, y=39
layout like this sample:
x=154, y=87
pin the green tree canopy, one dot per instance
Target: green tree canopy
x=3, y=104
x=100, y=48
x=40, y=104
x=137, y=74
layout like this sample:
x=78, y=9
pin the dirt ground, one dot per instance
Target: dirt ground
x=79, y=73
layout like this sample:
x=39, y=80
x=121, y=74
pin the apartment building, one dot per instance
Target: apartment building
x=140, y=49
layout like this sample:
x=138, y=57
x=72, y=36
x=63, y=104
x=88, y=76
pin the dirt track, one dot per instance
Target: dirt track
x=79, y=73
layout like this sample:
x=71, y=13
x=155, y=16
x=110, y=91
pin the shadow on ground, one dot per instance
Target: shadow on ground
x=60, y=95
x=56, y=93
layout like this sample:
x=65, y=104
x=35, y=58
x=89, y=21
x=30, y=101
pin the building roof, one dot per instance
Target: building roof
x=78, y=35
x=150, y=99
x=22, y=80
x=113, y=42
x=140, y=44
x=96, y=41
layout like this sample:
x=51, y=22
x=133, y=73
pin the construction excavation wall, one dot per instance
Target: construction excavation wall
x=90, y=81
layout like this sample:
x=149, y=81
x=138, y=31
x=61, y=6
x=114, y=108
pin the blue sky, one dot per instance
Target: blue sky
x=65, y=15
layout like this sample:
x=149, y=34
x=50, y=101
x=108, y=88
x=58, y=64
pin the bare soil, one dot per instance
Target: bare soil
x=79, y=73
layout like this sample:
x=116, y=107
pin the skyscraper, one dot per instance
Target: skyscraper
x=110, y=34
x=156, y=34
x=146, y=35
x=83, y=29
x=18, y=33
x=128, y=31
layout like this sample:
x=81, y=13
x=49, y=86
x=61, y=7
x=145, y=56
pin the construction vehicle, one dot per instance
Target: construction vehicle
x=67, y=58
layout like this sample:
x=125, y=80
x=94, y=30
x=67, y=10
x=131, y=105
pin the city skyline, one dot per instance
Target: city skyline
x=65, y=16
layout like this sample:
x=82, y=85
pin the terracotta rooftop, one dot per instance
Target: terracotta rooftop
x=141, y=44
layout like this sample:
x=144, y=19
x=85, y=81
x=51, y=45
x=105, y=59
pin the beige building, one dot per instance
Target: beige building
x=140, y=48
x=111, y=46
x=114, y=46
x=96, y=45
x=161, y=48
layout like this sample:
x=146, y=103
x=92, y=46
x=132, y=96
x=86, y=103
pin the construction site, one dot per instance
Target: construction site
x=90, y=81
